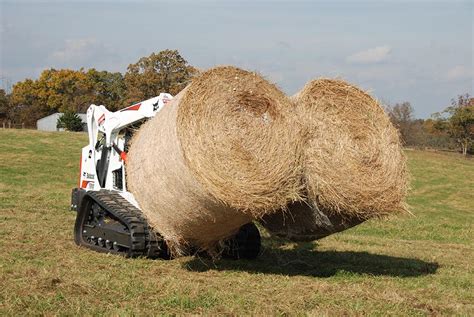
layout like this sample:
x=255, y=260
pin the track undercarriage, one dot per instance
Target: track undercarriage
x=107, y=222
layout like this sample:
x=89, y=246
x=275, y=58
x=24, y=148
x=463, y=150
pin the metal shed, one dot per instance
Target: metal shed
x=49, y=123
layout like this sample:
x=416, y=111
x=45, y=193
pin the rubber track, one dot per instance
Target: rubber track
x=143, y=241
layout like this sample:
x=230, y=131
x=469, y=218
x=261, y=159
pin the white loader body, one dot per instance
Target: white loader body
x=106, y=133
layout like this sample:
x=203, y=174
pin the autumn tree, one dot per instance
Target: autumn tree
x=4, y=102
x=65, y=90
x=53, y=91
x=458, y=121
x=106, y=88
x=26, y=105
x=166, y=71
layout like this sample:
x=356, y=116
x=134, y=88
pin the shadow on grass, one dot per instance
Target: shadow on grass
x=319, y=264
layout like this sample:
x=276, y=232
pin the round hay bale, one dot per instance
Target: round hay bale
x=354, y=162
x=354, y=166
x=238, y=139
x=220, y=154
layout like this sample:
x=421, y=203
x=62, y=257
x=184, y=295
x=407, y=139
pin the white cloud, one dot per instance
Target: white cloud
x=373, y=55
x=76, y=50
x=85, y=52
x=459, y=72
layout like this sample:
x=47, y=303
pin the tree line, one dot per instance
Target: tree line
x=451, y=129
x=66, y=90
x=72, y=91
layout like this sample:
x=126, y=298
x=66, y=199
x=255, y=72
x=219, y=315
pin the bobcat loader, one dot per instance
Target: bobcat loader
x=109, y=219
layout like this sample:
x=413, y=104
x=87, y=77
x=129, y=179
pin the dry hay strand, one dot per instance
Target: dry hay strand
x=222, y=153
x=354, y=166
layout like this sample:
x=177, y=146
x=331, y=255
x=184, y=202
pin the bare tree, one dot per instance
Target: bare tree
x=401, y=115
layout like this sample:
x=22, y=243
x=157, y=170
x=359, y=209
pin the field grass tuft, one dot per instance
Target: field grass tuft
x=406, y=265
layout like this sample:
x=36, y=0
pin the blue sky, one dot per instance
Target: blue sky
x=421, y=52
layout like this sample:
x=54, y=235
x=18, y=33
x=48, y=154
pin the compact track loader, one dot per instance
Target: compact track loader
x=109, y=219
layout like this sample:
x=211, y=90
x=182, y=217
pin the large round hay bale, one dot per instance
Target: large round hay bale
x=220, y=154
x=354, y=166
x=354, y=162
x=237, y=136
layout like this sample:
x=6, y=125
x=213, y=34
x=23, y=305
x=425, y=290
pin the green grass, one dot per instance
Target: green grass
x=407, y=265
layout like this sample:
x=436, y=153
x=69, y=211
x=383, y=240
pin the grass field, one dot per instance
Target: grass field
x=420, y=265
